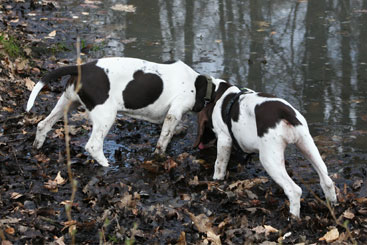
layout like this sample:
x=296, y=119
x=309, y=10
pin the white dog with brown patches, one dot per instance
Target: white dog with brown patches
x=259, y=122
x=159, y=93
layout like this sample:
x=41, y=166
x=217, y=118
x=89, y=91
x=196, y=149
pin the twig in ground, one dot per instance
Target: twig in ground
x=72, y=224
x=330, y=208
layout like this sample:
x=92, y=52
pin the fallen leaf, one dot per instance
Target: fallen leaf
x=269, y=229
x=182, y=239
x=7, y=109
x=203, y=224
x=248, y=184
x=9, y=221
x=6, y=242
x=59, y=240
x=15, y=195
x=129, y=40
x=58, y=133
x=124, y=8
x=361, y=200
x=10, y=230
x=60, y=180
x=194, y=181
x=357, y=184
x=259, y=229
x=330, y=236
x=42, y=158
x=29, y=84
x=348, y=214
x=52, y=34
x=28, y=51
x=51, y=185
x=169, y=164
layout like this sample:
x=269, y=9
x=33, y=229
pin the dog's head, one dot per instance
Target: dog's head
x=204, y=92
x=205, y=135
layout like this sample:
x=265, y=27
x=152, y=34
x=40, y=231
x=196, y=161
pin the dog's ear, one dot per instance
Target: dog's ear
x=204, y=120
x=201, y=83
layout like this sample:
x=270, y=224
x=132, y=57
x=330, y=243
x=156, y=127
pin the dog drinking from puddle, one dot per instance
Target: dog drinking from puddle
x=158, y=93
x=262, y=123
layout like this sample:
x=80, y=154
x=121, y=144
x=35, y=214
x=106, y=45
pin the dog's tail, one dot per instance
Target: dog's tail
x=60, y=72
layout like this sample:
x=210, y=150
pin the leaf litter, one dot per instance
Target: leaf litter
x=141, y=199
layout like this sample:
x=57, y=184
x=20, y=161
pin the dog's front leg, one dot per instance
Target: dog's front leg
x=224, y=147
x=168, y=129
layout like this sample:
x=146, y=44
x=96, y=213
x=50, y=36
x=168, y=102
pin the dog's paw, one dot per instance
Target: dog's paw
x=218, y=177
x=159, y=156
x=37, y=144
x=104, y=164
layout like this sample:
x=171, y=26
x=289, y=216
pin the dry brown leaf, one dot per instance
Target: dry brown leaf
x=169, y=164
x=59, y=240
x=29, y=84
x=15, y=195
x=348, y=214
x=357, y=184
x=9, y=221
x=361, y=199
x=51, y=185
x=60, y=180
x=194, y=181
x=203, y=224
x=21, y=65
x=330, y=236
x=7, y=109
x=52, y=34
x=182, y=239
x=6, y=242
x=249, y=183
x=69, y=224
x=10, y=230
x=42, y=158
x=259, y=229
x=269, y=229
x=126, y=201
x=58, y=133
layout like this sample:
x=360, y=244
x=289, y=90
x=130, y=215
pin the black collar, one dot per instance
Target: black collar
x=209, y=89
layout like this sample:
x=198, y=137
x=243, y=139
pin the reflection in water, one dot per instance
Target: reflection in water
x=311, y=53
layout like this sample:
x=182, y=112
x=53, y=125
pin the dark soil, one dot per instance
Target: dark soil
x=139, y=198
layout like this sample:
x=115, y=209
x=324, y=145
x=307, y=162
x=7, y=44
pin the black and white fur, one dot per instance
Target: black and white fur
x=264, y=124
x=158, y=93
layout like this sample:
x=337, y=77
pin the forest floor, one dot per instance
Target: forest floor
x=139, y=199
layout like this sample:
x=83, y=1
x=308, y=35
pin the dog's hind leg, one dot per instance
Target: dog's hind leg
x=272, y=159
x=45, y=125
x=102, y=121
x=309, y=149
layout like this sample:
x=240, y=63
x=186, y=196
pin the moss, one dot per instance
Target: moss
x=11, y=46
x=58, y=47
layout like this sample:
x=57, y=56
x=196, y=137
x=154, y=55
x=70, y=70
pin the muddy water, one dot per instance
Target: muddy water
x=311, y=53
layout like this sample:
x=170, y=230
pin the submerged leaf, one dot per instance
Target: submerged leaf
x=124, y=8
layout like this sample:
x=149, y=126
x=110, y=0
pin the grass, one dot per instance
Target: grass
x=58, y=47
x=10, y=46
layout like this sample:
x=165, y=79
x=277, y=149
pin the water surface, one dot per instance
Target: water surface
x=312, y=53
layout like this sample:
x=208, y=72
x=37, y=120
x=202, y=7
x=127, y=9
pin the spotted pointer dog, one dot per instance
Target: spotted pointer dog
x=158, y=93
x=262, y=123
